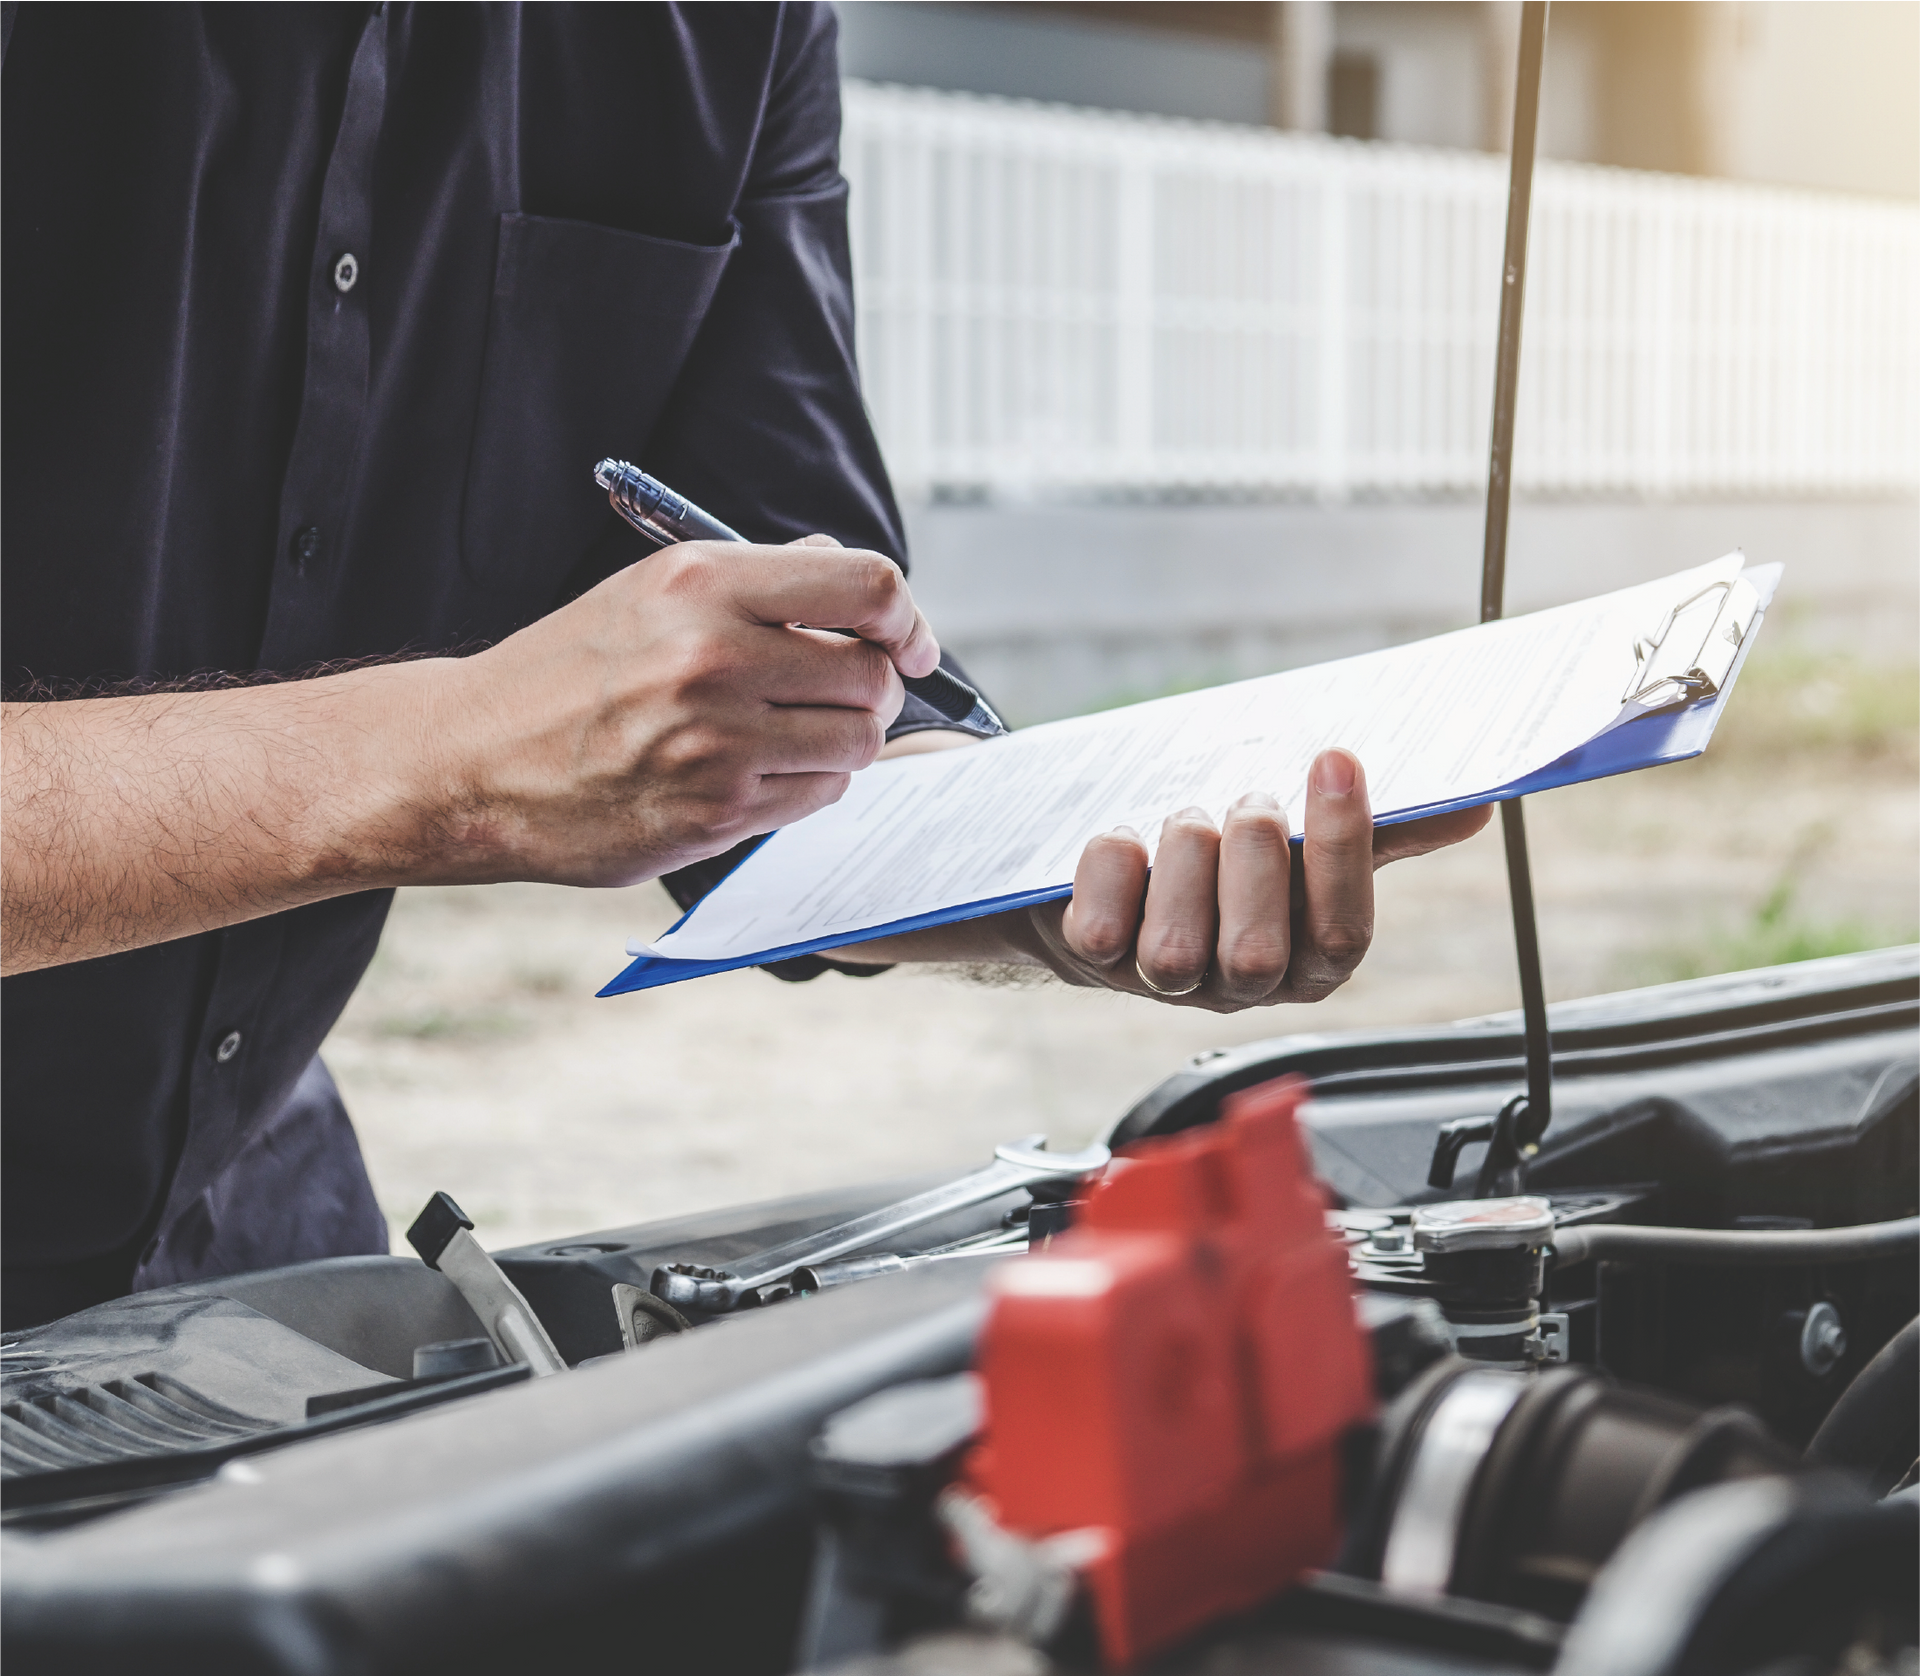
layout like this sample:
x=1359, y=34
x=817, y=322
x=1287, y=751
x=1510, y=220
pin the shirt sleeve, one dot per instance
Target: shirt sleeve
x=766, y=426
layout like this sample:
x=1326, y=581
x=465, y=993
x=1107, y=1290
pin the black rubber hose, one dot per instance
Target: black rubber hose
x=1739, y=1247
x=1872, y=1427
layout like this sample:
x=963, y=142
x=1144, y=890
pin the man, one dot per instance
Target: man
x=316, y=319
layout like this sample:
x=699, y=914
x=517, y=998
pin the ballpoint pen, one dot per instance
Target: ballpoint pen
x=664, y=517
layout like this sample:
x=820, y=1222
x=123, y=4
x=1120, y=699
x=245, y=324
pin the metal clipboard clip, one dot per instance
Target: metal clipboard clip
x=1691, y=653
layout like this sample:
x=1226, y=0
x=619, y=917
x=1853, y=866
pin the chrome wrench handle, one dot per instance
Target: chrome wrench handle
x=1022, y=1163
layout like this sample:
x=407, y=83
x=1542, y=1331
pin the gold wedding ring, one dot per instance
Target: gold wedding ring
x=1142, y=976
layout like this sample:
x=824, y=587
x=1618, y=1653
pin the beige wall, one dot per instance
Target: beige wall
x=1816, y=93
x=1803, y=93
x=1823, y=95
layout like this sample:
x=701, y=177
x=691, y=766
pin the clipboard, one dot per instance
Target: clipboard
x=1691, y=654
x=1685, y=669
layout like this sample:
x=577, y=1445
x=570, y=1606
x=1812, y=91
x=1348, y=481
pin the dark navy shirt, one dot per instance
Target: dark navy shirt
x=316, y=319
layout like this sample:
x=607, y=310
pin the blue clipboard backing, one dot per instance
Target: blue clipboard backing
x=1646, y=741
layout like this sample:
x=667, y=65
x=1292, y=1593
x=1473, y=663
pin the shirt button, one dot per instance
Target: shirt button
x=346, y=269
x=304, y=548
x=229, y=1046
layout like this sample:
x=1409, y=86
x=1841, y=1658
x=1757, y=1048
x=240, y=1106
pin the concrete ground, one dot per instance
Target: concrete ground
x=475, y=1058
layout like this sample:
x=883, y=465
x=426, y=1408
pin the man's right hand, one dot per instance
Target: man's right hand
x=660, y=718
x=674, y=710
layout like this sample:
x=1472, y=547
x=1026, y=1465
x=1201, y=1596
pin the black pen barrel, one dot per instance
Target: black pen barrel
x=955, y=700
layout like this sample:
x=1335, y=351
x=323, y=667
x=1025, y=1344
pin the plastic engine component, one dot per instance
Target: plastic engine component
x=1176, y=1376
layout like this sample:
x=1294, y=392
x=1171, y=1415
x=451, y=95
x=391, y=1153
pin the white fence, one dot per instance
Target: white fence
x=1064, y=300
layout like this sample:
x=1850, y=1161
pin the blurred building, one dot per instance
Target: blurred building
x=1177, y=400
x=1816, y=93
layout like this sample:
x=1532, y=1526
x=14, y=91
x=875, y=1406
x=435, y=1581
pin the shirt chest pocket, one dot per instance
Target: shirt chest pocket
x=586, y=333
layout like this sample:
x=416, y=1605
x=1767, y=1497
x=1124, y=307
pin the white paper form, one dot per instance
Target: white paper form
x=1445, y=720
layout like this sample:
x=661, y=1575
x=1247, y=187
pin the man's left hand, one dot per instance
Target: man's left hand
x=1227, y=917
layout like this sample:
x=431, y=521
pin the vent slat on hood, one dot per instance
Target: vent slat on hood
x=123, y=1419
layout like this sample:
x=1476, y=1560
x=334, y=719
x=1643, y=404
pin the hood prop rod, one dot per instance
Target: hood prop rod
x=1515, y=1134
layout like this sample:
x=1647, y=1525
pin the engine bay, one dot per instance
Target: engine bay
x=1641, y=1400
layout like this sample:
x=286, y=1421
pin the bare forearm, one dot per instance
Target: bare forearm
x=658, y=719
x=130, y=821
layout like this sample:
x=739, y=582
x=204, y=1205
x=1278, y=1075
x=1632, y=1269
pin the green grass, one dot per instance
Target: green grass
x=1774, y=934
x=1794, y=699
x=1797, y=702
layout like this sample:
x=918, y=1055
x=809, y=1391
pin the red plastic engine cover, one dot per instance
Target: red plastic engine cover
x=1176, y=1374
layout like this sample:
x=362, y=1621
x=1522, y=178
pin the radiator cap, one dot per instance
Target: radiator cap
x=1483, y=1224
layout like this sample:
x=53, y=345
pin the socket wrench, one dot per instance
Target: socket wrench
x=1021, y=1163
